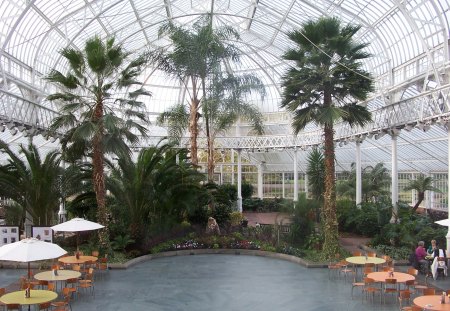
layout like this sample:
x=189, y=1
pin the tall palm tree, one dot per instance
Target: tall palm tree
x=155, y=189
x=31, y=182
x=195, y=54
x=224, y=105
x=421, y=184
x=322, y=87
x=94, y=118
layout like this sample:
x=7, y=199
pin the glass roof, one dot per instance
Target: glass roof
x=408, y=42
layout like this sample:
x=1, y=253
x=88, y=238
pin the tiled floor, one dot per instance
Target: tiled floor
x=220, y=282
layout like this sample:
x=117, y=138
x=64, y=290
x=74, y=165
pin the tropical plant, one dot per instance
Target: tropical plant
x=421, y=184
x=375, y=182
x=323, y=87
x=31, y=183
x=195, y=54
x=94, y=119
x=121, y=242
x=225, y=104
x=316, y=173
x=155, y=190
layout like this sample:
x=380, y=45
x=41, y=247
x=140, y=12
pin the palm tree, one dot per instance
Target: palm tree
x=421, y=184
x=224, y=104
x=94, y=118
x=31, y=183
x=322, y=87
x=154, y=189
x=194, y=56
x=375, y=182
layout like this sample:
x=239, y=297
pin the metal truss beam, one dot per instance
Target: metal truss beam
x=421, y=112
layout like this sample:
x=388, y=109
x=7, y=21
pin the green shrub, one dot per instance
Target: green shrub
x=395, y=252
x=246, y=190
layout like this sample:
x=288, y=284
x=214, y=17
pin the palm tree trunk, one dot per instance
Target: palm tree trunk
x=99, y=181
x=193, y=130
x=211, y=163
x=330, y=230
x=420, y=198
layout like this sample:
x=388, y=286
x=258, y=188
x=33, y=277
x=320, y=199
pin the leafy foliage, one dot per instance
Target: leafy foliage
x=31, y=183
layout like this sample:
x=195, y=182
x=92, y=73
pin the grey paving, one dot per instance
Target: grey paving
x=218, y=282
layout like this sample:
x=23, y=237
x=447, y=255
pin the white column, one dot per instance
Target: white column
x=260, y=181
x=283, y=194
x=295, y=176
x=232, y=166
x=239, y=181
x=306, y=186
x=448, y=185
x=358, y=174
x=394, y=178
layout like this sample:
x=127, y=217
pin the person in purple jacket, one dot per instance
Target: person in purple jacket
x=421, y=253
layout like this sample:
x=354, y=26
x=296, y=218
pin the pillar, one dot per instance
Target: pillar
x=448, y=185
x=295, y=176
x=260, y=181
x=358, y=174
x=239, y=181
x=283, y=194
x=394, y=178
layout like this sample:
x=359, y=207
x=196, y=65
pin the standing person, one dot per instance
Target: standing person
x=421, y=253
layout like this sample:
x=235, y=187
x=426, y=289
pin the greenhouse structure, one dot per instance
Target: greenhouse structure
x=408, y=43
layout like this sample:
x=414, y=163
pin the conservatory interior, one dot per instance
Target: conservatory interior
x=145, y=114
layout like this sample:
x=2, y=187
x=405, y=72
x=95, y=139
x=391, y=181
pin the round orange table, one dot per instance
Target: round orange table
x=73, y=259
x=361, y=260
x=432, y=302
x=382, y=276
x=36, y=297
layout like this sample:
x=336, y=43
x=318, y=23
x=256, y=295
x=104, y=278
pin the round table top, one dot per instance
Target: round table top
x=62, y=275
x=36, y=297
x=74, y=260
x=432, y=302
x=361, y=260
x=382, y=276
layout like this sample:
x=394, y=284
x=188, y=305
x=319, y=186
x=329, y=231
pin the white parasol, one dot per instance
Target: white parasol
x=30, y=249
x=443, y=222
x=77, y=225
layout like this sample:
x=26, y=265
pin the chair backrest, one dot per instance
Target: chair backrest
x=416, y=308
x=390, y=281
x=12, y=306
x=405, y=294
x=371, y=254
x=357, y=253
x=51, y=286
x=367, y=270
x=45, y=305
x=95, y=253
x=66, y=292
x=429, y=291
x=368, y=281
x=2, y=291
x=76, y=267
x=412, y=271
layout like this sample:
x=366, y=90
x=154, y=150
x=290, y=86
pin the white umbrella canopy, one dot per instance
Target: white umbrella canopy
x=443, y=222
x=77, y=224
x=30, y=249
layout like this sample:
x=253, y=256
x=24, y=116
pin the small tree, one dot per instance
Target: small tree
x=421, y=185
